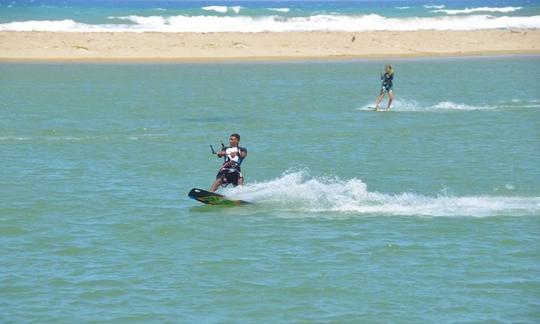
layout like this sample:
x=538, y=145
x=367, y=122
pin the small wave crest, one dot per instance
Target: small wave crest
x=279, y=9
x=434, y=6
x=298, y=191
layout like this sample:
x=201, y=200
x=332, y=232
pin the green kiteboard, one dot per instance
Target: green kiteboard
x=212, y=198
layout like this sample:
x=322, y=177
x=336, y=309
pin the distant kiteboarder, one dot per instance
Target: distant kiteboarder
x=386, y=87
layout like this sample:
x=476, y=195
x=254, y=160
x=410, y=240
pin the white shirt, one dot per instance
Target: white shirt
x=229, y=151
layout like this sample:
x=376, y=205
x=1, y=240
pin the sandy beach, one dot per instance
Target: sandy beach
x=108, y=46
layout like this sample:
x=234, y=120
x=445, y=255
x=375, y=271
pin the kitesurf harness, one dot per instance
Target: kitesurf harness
x=232, y=164
x=230, y=169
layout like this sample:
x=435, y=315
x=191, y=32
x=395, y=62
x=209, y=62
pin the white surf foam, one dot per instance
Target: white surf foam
x=404, y=105
x=45, y=25
x=474, y=10
x=222, y=9
x=298, y=191
x=519, y=103
x=158, y=23
x=448, y=105
x=236, y=9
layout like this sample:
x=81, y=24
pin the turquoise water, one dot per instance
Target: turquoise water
x=429, y=213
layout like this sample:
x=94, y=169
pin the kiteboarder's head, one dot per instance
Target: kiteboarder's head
x=234, y=139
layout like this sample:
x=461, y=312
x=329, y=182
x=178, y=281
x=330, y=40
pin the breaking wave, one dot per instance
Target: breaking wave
x=183, y=23
x=223, y=9
x=475, y=10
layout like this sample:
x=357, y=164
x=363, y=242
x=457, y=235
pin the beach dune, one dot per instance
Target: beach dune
x=89, y=46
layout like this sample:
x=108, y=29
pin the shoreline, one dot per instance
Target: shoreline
x=105, y=47
x=262, y=60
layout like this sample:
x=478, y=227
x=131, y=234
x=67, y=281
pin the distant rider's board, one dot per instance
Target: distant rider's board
x=373, y=109
x=212, y=198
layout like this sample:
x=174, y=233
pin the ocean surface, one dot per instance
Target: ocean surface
x=429, y=213
x=262, y=16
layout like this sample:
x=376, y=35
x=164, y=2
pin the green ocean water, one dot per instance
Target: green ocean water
x=428, y=213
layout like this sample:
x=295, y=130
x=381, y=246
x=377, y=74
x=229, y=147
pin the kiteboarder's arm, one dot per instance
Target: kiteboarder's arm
x=242, y=152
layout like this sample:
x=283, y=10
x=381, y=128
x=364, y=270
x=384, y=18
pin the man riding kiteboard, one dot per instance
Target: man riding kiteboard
x=230, y=172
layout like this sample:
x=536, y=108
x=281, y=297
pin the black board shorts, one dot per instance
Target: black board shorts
x=229, y=176
x=386, y=87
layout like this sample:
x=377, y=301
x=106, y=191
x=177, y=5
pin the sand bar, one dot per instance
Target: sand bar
x=209, y=47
